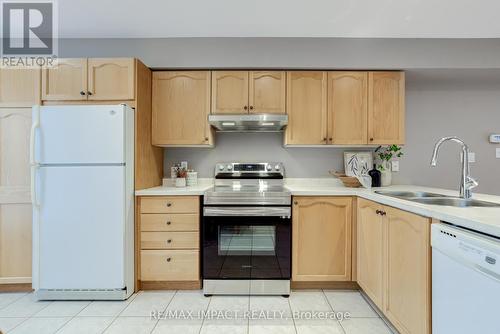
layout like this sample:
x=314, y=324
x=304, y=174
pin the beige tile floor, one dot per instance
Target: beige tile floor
x=21, y=314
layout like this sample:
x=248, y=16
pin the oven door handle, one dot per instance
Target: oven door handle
x=247, y=211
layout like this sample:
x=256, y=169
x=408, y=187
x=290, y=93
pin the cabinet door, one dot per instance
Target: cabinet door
x=229, y=92
x=386, y=108
x=19, y=87
x=370, y=245
x=181, y=104
x=407, y=271
x=267, y=92
x=111, y=79
x=15, y=201
x=306, y=96
x=66, y=81
x=321, y=249
x=347, y=107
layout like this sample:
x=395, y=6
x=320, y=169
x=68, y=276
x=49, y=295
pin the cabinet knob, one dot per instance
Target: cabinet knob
x=383, y=213
x=245, y=107
x=169, y=241
x=295, y=202
x=169, y=204
x=169, y=259
x=89, y=93
x=330, y=139
x=324, y=139
x=371, y=139
x=206, y=138
x=168, y=223
x=251, y=107
x=82, y=93
x=377, y=212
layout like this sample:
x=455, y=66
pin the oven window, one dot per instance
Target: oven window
x=247, y=240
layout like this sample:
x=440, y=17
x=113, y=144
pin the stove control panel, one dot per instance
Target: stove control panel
x=239, y=169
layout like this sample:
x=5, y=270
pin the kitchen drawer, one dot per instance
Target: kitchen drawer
x=170, y=222
x=170, y=240
x=170, y=204
x=170, y=265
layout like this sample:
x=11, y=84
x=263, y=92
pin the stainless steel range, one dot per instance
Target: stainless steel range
x=246, y=231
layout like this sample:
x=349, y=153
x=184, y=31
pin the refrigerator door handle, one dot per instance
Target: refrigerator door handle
x=34, y=197
x=34, y=125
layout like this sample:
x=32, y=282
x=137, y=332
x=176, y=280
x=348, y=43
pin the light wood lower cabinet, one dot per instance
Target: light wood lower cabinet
x=407, y=271
x=168, y=241
x=394, y=257
x=170, y=265
x=321, y=247
x=370, y=250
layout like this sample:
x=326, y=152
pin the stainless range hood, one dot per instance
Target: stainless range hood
x=248, y=123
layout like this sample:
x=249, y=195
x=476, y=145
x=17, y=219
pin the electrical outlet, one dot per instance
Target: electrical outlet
x=395, y=166
x=498, y=153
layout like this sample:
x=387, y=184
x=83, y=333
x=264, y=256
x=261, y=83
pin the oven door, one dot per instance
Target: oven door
x=246, y=242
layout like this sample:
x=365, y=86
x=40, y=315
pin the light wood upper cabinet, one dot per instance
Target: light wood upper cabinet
x=347, y=107
x=267, y=92
x=15, y=200
x=370, y=256
x=321, y=246
x=229, y=92
x=386, y=108
x=306, y=94
x=111, y=79
x=407, y=279
x=181, y=105
x=66, y=81
x=19, y=87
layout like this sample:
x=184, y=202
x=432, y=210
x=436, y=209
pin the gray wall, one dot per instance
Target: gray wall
x=341, y=53
x=436, y=107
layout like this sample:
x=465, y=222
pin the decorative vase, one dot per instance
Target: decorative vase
x=376, y=176
x=386, y=174
x=180, y=182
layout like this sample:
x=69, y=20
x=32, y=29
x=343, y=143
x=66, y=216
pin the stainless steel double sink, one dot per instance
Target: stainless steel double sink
x=437, y=199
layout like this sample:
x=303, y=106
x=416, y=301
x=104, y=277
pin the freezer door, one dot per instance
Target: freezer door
x=79, y=134
x=79, y=227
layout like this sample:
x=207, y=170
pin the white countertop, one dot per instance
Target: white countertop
x=486, y=220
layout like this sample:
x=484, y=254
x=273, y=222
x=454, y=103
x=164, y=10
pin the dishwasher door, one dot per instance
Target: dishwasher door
x=465, y=281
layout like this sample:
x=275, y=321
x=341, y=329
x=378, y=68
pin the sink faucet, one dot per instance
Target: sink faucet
x=466, y=181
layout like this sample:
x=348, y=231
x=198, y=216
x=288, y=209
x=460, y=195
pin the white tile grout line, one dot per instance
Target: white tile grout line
x=29, y=317
x=331, y=306
x=15, y=300
x=391, y=328
x=169, y=302
x=291, y=312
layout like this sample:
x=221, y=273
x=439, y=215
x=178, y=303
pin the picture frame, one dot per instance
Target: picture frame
x=358, y=163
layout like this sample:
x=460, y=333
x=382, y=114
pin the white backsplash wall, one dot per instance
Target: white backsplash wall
x=245, y=147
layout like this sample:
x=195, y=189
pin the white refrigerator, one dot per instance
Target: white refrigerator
x=82, y=186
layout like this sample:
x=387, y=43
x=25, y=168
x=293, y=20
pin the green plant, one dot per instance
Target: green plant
x=385, y=154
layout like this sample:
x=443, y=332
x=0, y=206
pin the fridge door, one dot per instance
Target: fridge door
x=79, y=134
x=79, y=227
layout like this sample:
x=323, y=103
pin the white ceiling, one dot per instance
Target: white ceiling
x=279, y=18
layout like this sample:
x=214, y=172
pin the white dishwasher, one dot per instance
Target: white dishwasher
x=465, y=281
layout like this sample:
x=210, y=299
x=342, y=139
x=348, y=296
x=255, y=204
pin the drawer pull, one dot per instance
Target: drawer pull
x=169, y=204
x=169, y=259
x=169, y=223
x=169, y=241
